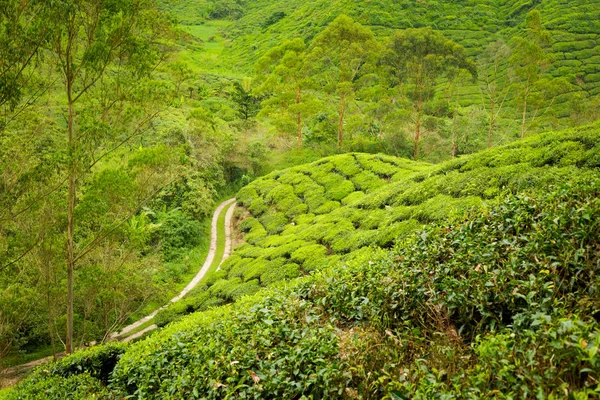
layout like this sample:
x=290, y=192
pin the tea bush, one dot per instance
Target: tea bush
x=502, y=301
x=500, y=305
x=298, y=212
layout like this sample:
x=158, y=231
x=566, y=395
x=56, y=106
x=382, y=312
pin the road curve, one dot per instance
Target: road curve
x=12, y=374
x=214, y=229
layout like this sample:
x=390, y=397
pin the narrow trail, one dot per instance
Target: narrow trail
x=12, y=375
x=214, y=230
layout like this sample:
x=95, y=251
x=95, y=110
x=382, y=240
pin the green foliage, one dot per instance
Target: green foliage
x=177, y=233
x=80, y=375
x=273, y=328
x=391, y=209
x=285, y=272
x=81, y=386
x=457, y=306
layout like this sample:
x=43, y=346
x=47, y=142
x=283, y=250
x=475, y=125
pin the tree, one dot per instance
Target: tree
x=96, y=44
x=341, y=53
x=417, y=59
x=493, y=85
x=286, y=77
x=247, y=103
x=528, y=61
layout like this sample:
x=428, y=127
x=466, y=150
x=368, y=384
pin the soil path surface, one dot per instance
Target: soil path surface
x=11, y=376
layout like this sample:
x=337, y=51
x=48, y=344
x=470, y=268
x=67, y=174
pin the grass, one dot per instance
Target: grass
x=209, y=58
x=12, y=360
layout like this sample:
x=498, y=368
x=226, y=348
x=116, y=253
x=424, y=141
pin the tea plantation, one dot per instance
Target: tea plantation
x=386, y=278
x=573, y=25
x=321, y=214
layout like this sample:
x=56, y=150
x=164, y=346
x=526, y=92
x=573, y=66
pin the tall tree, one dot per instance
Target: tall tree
x=418, y=59
x=494, y=86
x=285, y=76
x=95, y=42
x=528, y=61
x=341, y=53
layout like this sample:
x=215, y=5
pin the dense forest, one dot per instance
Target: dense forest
x=416, y=187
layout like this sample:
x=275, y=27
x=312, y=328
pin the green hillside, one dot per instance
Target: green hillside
x=566, y=92
x=574, y=26
x=327, y=212
x=417, y=198
x=424, y=279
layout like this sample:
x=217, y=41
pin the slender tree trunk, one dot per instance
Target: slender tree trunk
x=70, y=223
x=523, y=121
x=418, y=127
x=299, y=119
x=419, y=108
x=341, y=126
x=417, y=135
x=454, y=145
x=50, y=324
x=492, y=121
x=524, y=110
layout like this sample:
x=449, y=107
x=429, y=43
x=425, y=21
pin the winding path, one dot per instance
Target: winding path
x=212, y=252
x=12, y=374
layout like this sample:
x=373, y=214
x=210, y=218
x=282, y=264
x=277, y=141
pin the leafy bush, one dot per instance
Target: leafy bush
x=283, y=273
x=80, y=375
x=288, y=359
x=177, y=232
x=274, y=222
x=82, y=386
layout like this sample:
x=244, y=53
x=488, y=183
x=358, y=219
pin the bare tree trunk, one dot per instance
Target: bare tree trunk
x=299, y=119
x=341, y=126
x=417, y=136
x=523, y=121
x=492, y=122
x=454, y=145
x=70, y=224
x=524, y=110
x=50, y=325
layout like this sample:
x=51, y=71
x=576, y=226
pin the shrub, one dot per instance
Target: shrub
x=80, y=386
x=327, y=207
x=245, y=289
x=248, y=224
x=274, y=222
x=283, y=273
x=97, y=362
x=258, y=207
x=354, y=241
x=233, y=260
x=187, y=351
x=308, y=256
x=225, y=288
x=314, y=197
x=352, y=197
x=177, y=233
x=346, y=164
x=367, y=181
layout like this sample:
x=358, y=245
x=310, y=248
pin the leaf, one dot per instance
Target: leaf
x=255, y=377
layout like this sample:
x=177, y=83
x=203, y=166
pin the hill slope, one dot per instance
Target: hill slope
x=574, y=26
x=442, y=311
